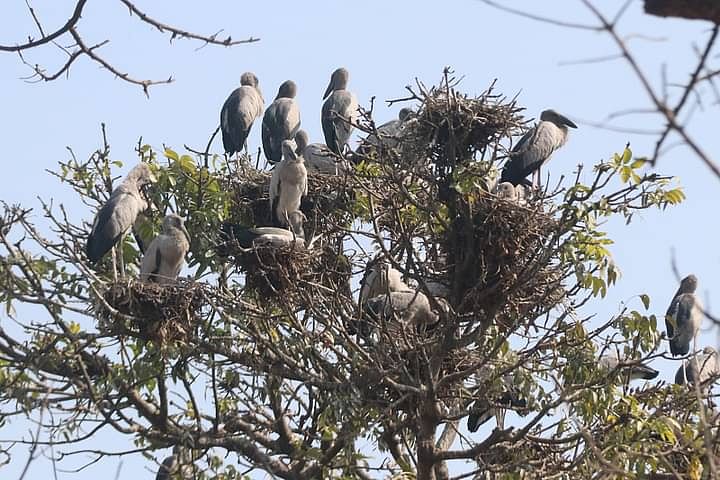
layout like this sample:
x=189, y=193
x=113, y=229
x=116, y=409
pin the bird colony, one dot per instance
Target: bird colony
x=456, y=248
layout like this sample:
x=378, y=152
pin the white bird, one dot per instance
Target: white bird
x=702, y=368
x=318, y=157
x=412, y=307
x=239, y=111
x=250, y=237
x=380, y=278
x=166, y=254
x=684, y=317
x=631, y=369
x=179, y=465
x=536, y=147
x=281, y=121
x=339, y=108
x=288, y=184
x=506, y=191
x=119, y=213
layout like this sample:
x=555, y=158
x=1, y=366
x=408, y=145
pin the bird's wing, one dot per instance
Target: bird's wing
x=670, y=317
x=275, y=184
x=328, y=126
x=290, y=116
x=151, y=260
x=367, y=285
x=228, y=115
x=268, y=134
x=112, y=221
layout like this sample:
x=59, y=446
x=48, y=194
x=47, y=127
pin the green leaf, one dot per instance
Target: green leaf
x=645, y=299
x=171, y=154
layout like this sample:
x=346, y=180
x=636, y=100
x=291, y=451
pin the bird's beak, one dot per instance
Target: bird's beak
x=329, y=88
x=567, y=121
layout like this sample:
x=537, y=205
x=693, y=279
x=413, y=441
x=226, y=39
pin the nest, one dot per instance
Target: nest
x=327, y=206
x=160, y=313
x=501, y=259
x=275, y=270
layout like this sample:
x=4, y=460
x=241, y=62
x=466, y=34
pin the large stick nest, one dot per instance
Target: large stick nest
x=160, y=313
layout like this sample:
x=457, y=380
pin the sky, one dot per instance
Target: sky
x=385, y=46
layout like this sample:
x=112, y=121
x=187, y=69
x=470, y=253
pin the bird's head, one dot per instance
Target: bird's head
x=301, y=141
x=338, y=81
x=507, y=191
x=405, y=113
x=249, y=79
x=289, y=152
x=142, y=175
x=557, y=119
x=287, y=89
x=688, y=284
x=172, y=222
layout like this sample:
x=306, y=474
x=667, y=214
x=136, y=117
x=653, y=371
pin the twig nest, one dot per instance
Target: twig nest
x=501, y=259
x=161, y=313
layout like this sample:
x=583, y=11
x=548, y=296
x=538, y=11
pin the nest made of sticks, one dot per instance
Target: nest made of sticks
x=327, y=206
x=502, y=259
x=160, y=313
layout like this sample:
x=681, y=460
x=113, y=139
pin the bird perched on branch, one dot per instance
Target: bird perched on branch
x=631, y=369
x=702, y=368
x=483, y=409
x=250, y=237
x=339, y=109
x=281, y=121
x=119, y=213
x=288, y=184
x=239, y=111
x=535, y=148
x=318, y=157
x=179, y=465
x=684, y=317
x=388, y=134
x=165, y=256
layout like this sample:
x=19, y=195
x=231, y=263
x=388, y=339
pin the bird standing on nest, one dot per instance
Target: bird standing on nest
x=166, y=254
x=281, y=121
x=238, y=113
x=535, y=148
x=338, y=111
x=288, y=184
x=117, y=216
x=684, y=317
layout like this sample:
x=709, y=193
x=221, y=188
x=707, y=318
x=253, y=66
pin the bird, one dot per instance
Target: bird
x=380, y=278
x=119, y=213
x=536, y=147
x=178, y=465
x=340, y=107
x=281, y=121
x=239, y=111
x=165, y=256
x=483, y=409
x=412, y=308
x=318, y=157
x=388, y=134
x=632, y=369
x=701, y=368
x=288, y=184
x=250, y=237
x=506, y=191
x=684, y=317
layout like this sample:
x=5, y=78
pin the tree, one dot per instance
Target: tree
x=259, y=353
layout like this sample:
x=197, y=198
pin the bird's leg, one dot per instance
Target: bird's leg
x=121, y=259
x=114, y=263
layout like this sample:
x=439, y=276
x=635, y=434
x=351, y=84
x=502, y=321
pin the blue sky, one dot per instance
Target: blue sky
x=385, y=46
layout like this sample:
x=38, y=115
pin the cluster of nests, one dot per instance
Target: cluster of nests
x=160, y=313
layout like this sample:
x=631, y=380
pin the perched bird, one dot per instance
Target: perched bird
x=340, y=106
x=684, y=317
x=249, y=237
x=318, y=157
x=117, y=216
x=701, y=368
x=179, y=465
x=483, y=409
x=388, y=134
x=288, y=184
x=239, y=111
x=631, y=369
x=535, y=148
x=281, y=121
x=412, y=307
x=380, y=278
x=166, y=254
